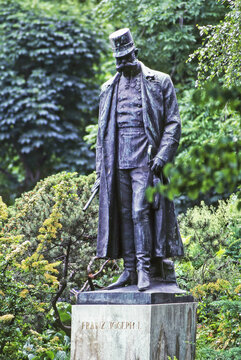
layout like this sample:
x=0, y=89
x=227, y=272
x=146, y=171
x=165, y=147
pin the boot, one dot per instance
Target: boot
x=143, y=280
x=169, y=271
x=126, y=278
x=157, y=269
x=129, y=276
x=142, y=235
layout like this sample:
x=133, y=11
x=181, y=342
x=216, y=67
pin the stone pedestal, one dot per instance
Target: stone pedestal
x=134, y=331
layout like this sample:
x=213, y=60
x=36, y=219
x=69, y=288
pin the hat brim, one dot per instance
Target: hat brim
x=121, y=53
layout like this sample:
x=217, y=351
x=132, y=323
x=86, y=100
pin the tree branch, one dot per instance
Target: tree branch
x=8, y=174
x=66, y=329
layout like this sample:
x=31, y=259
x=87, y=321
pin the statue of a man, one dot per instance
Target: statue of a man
x=138, y=114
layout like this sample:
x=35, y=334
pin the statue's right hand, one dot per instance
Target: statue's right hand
x=156, y=166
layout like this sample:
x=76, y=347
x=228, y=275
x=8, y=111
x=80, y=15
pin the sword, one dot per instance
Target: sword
x=94, y=191
x=149, y=151
x=156, y=180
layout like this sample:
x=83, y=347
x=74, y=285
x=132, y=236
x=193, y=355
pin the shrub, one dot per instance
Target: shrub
x=24, y=293
x=219, y=334
x=52, y=215
x=211, y=270
x=46, y=243
x=211, y=238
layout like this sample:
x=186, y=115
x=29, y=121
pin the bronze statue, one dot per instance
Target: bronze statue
x=138, y=133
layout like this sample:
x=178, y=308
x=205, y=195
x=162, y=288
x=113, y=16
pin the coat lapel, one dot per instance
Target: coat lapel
x=106, y=104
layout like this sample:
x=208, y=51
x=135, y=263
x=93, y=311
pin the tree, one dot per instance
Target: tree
x=208, y=163
x=215, y=163
x=164, y=31
x=46, y=244
x=47, y=67
x=221, y=48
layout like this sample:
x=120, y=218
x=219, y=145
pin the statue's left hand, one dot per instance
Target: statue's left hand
x=157, y=166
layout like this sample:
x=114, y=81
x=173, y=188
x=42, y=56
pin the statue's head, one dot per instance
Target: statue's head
x=124, y=50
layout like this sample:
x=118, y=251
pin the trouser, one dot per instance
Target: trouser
x=135, y=220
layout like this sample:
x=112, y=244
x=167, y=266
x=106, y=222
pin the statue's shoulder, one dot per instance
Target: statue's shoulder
x=108, y=83
x=154, y=75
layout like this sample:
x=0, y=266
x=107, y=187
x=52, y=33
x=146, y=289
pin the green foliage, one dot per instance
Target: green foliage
x=3, y=211
x=47, y=96
x=52, y=214
x=206, y=352
x=221, y=48
x=208, y=163
x=215, y=165
x=49, y=344
x=211, y=237
x=164, y=31
x=24, y=293
x=211, y=270
x=69, y=8
x=219, y=331
x=46, y=243
x=91, y=137
x=24, y=298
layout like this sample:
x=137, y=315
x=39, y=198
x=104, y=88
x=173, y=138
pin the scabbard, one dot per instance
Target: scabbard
x=90, y=199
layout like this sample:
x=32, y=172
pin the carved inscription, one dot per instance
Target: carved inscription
x=113, y=325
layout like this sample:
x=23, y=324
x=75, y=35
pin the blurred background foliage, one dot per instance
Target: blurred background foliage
x=54, y=55
x=49, y=93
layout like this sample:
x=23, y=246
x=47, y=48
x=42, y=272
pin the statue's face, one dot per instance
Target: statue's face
x=126, y=63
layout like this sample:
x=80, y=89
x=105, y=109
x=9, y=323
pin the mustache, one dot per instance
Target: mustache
x=128, y=65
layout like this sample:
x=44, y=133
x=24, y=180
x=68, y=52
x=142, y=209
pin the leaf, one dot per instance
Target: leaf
x=50, y=354
x=64, y=316
x=220, y=252
x=150, y=192
x=33, y=357
x=61, y=355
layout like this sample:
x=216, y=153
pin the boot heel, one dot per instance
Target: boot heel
x=143, y=280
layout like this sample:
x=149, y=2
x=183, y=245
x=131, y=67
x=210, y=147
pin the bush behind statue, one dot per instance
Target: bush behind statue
x=211, y=270
x=53, y=213
x=46, y=243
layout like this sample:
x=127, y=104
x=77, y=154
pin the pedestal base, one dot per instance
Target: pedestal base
x=158, y=293
x=133, y=332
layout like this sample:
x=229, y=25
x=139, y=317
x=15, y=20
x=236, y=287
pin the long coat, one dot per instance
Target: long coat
x=163, y=128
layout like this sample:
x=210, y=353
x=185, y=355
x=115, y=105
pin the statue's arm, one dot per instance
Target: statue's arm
x=172, y=126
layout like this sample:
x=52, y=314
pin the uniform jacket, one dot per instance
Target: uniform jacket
x=163, y=128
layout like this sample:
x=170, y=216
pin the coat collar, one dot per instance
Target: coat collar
x=148, y=74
